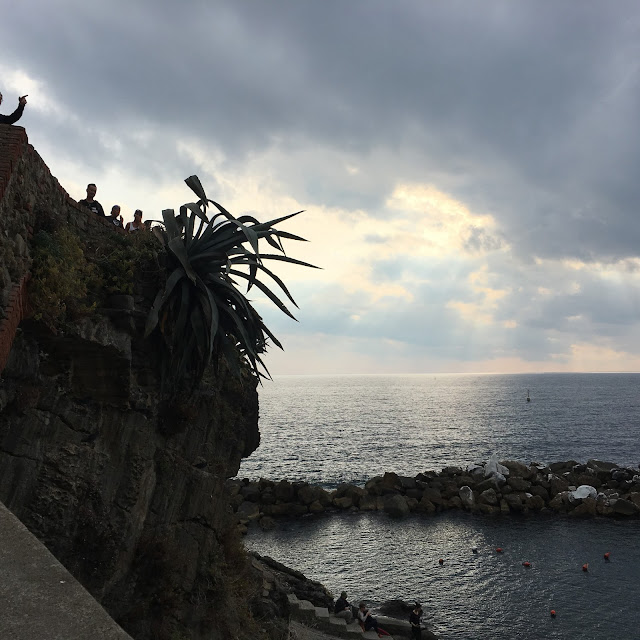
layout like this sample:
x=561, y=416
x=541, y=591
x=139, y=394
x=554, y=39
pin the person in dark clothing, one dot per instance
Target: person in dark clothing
x=415, y=619
x=343, y=608
x=90, y=203
x=17, y=114
x=115, y=216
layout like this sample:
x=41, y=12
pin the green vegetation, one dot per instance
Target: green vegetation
x=61, y=278
x=71, y=277
x=200, y=311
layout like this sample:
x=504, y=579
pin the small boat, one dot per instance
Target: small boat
x=528, y=397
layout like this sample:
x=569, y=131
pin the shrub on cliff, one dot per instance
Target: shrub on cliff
x=61, y=278
x=200, y=311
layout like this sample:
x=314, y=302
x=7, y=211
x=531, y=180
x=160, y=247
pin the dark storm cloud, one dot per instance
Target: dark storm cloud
x=548, y=92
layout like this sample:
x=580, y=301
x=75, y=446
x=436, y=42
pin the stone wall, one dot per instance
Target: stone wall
x=28, y=192
x=125, y=490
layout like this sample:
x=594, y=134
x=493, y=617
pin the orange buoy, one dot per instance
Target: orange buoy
x=526, y=564
x=441, y=561
x=585, y=566
x=606, y=556
x=553, y=613
x=499, y=550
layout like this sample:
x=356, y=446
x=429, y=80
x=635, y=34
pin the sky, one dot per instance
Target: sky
x=468, y=170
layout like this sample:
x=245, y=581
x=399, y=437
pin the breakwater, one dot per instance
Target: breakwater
x=594, y=488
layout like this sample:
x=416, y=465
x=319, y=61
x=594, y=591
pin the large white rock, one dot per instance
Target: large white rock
x=466, y=496
x=493, y=467
x=584, y=491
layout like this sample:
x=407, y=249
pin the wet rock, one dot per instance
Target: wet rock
x=267, y=523
x=514, y=501
x=396, y=506
x=588, y=507
x=519, y=484
x=625, y=508
x=368, y=503
x=284, y=491
x=248, y=511
x=345, y=502
x=536, y=503
x=516, y=468
x=466, y=497
x=488, y=497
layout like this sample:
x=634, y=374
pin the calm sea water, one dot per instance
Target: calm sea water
x=329, y=430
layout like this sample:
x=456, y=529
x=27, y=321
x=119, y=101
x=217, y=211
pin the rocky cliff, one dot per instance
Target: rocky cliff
x=125, y=490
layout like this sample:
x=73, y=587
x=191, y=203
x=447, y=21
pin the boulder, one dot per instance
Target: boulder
x=493, y=482
x=588, y=507
x=250, y=492
x=504, y=506
x=466, y=497
x=493, y=467
x=537, y=490
x=557, y=485
x=433, y=495
x=488, y=497
x=316, y=507
x=518, y=483
x=535, y=502
x=514, y=501
x=267, y=523
x=396, y=506
x=582, y=492
x=489, y=509
x=344, y=502
x=516, y=468
x=625, y=508
x=368, y=503
x=560, y=501
x=426, y=506
x=248, y=511
x=284, y=491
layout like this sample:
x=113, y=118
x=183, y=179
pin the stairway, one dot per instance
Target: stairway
x=320, y=618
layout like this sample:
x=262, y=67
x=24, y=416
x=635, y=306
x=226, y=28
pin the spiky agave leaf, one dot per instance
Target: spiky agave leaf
x=200, y=308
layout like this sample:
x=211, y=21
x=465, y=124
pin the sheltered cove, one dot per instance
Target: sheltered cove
x=594, y=488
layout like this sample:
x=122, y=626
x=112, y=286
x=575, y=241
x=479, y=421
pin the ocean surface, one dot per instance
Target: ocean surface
x=333, y=429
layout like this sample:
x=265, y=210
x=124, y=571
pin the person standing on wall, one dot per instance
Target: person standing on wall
x=17, y=114
x=90, y=203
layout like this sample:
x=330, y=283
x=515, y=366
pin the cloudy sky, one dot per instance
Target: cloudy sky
x=469, y=170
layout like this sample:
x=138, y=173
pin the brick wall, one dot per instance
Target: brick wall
x=28, y=191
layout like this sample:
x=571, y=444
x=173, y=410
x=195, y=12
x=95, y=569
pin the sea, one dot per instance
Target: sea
x=333, y=429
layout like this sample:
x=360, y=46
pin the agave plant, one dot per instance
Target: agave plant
x=201, y=311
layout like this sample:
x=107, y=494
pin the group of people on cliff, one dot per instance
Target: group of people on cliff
x=345, y=610
x=114, y=217
x=89, y=202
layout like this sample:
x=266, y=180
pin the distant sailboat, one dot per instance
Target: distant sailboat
x=528, y=397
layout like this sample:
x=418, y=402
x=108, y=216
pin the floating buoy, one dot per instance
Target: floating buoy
x=475, y=550
x=441, y=561
x=553, y=613
x=585, y=566
x=499, y=550
x=606, y=556
x=526, y=564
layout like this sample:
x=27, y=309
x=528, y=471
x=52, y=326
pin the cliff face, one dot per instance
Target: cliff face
x=127, y=492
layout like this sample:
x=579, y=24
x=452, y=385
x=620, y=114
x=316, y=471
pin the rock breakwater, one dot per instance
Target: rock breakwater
x=594, y=488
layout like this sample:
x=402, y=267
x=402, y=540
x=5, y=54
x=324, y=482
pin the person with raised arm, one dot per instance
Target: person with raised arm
x=17, y=114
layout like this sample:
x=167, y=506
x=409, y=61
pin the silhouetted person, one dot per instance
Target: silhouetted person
x=415, y=619
x=90, y=203
x=115, y=216
x=137, y=224
x=17, y=114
